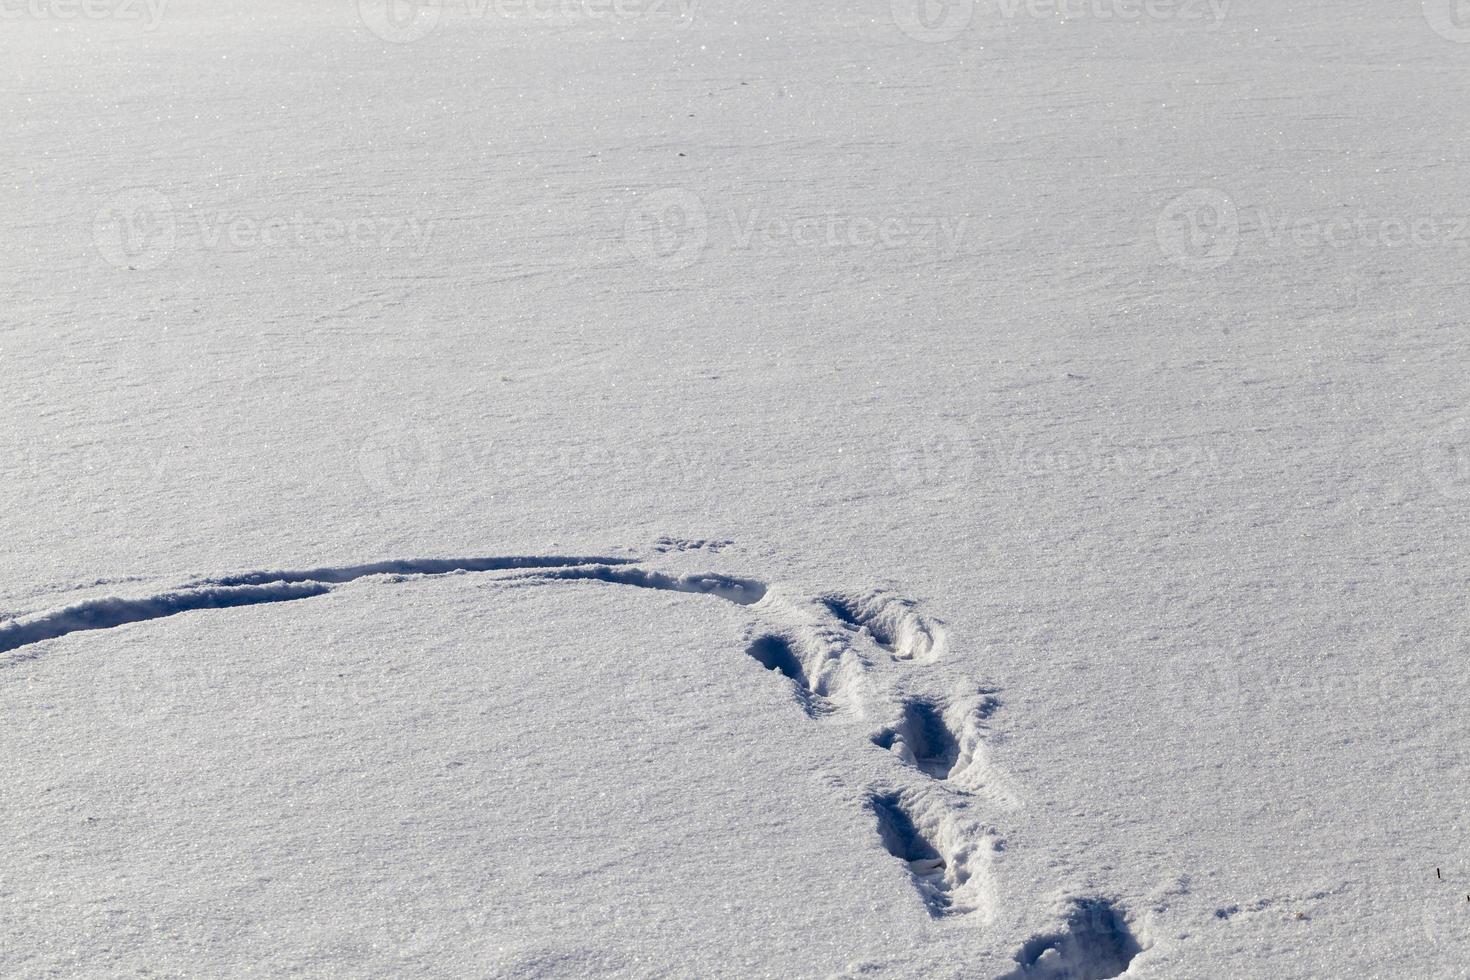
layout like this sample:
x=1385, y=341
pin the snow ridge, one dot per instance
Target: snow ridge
x=893, y=622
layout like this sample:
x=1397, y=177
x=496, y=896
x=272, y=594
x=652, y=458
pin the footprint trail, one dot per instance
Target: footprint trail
x=851, y=653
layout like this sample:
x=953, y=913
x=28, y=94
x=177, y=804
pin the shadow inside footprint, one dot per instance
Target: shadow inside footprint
x=923, y=739
x=903, y=839
x=774, y=653
x=1096, y=944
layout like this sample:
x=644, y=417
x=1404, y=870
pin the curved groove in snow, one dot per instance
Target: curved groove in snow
x=255, y=588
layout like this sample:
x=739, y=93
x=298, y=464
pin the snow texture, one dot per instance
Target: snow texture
x=884, y=488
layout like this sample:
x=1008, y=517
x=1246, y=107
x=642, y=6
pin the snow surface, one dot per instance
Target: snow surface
x=734, y=489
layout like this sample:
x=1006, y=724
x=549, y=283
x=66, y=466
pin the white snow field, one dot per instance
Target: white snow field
x=646, y=488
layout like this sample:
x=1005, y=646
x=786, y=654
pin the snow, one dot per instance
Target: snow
x=667, y=489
